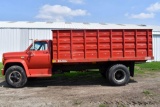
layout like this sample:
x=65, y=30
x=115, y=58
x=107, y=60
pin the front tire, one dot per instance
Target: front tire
x=118, y=75
x=15, y=76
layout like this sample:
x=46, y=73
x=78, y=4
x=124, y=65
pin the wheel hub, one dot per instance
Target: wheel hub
x=15, y=77
x=119, y=75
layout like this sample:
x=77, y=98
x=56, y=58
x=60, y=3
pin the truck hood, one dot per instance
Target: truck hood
x=13, y=55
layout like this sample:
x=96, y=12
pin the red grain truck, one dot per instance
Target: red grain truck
x=113, y=51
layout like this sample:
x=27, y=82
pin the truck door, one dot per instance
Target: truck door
x=39, y=56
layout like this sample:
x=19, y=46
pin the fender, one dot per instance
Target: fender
x=19, y=61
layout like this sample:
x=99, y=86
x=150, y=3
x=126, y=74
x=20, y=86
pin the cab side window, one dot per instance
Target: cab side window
x=43, y=46
x=39, y=46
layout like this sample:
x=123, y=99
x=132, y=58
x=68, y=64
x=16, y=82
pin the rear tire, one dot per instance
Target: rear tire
x=118, y=75
x=15, y=76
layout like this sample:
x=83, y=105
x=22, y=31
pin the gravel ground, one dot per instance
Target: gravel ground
x=142, y=90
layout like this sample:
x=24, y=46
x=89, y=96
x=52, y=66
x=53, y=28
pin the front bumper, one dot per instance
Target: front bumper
x=2, y=70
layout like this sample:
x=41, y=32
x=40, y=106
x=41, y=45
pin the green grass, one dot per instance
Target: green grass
x=77, y=102
x=75, y=75
x=1, y=66
x=147, y=92
x=148, y=67
x=103, y=105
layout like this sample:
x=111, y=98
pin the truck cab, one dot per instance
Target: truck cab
x=35, y=61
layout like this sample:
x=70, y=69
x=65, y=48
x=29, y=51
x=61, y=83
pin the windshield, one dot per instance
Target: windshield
x=40, y=45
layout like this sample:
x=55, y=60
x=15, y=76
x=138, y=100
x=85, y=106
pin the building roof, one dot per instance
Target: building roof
x=156, y=29
x=69, y=25
x=73, y=25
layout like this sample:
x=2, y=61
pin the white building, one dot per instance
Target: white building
x=15, y=36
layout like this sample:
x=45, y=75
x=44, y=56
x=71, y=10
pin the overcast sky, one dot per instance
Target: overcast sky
x=108, y=11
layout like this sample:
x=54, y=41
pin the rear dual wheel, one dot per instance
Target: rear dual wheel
x=15, y=76
x=118, y=75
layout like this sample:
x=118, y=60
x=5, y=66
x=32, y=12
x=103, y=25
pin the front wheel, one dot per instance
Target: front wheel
x=15, y=76
x=118, y=75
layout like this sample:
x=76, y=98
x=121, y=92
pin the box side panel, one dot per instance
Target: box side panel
x=101, y=45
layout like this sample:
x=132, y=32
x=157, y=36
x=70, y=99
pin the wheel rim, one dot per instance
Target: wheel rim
x=15, y=77
x=119, y=75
